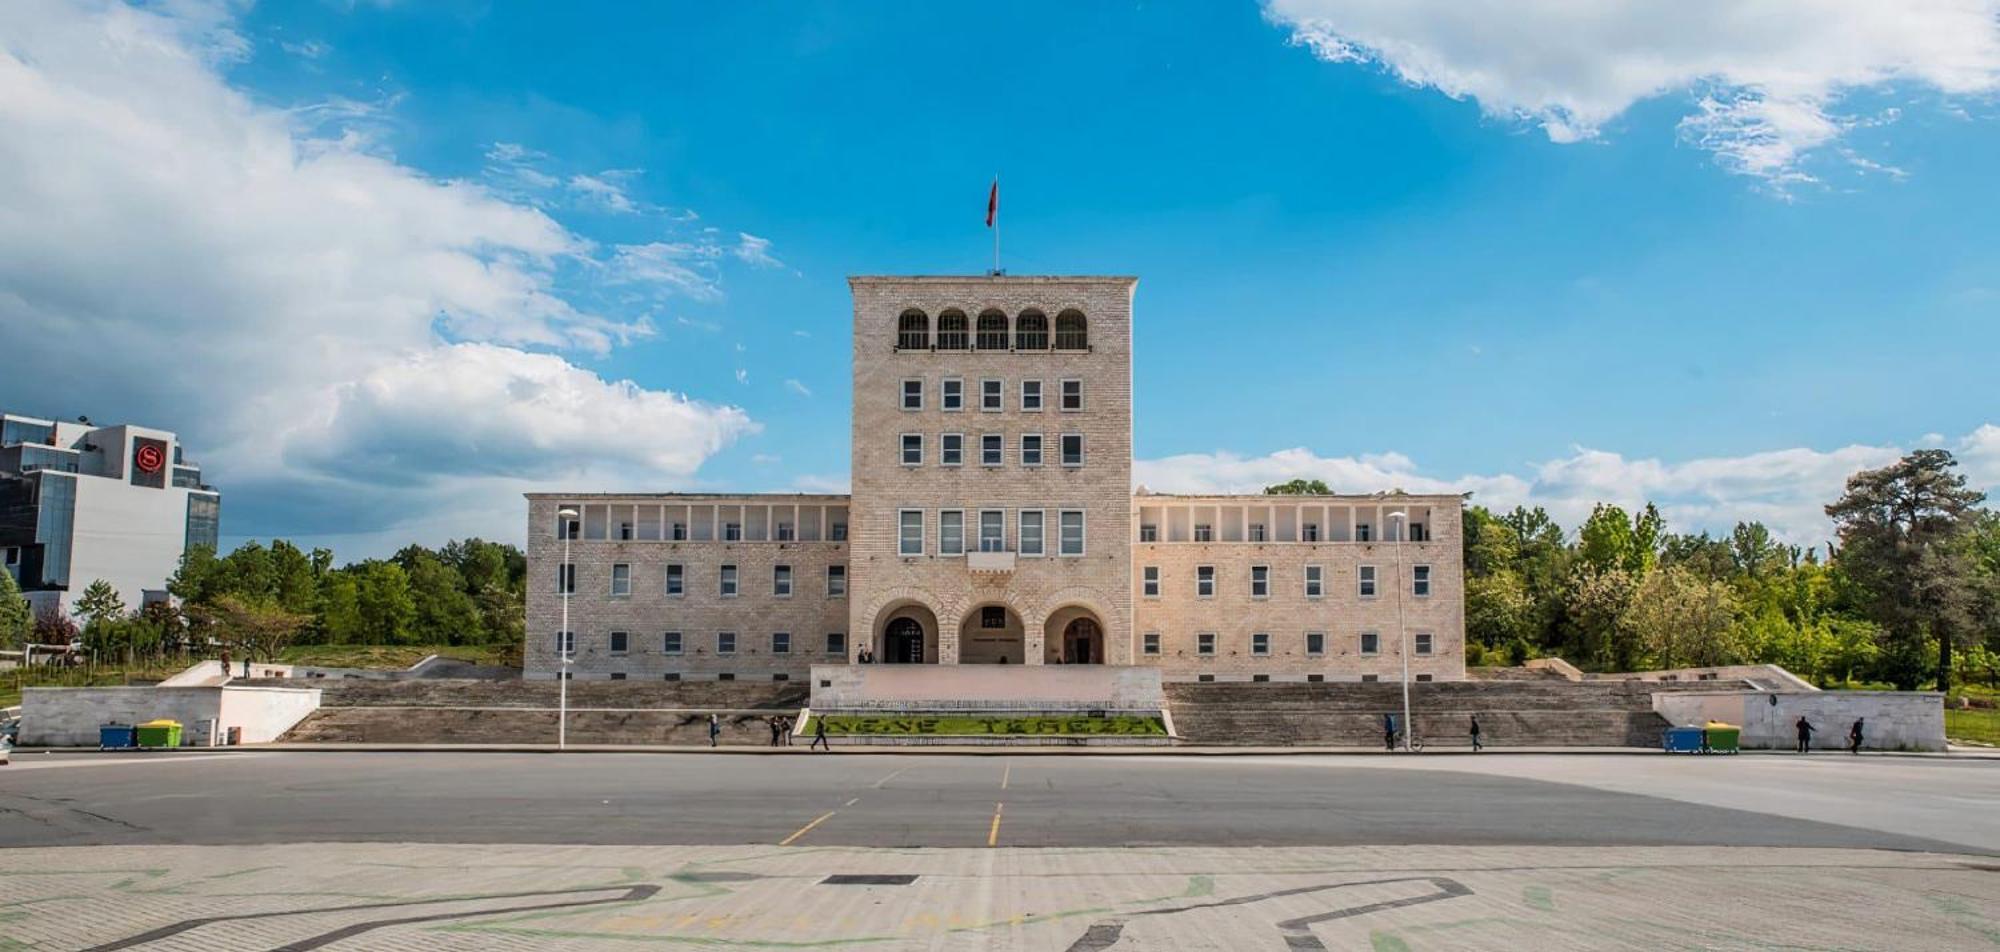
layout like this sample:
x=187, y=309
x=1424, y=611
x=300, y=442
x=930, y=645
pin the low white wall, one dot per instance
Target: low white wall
x=70, y=717
x=264, y=714
x=986, y=687
x=1895, y=720
x=1769, y=674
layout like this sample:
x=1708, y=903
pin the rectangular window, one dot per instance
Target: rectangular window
x=781, y=581
x=913, y=394
x=992, y=395
x=1031, y=395
x=1315, y=581
x=1315, y=643
x=1260, y=581
x=1366, y=575
x=837, y=532
x=1152, y=643
x=732, y=532
x=1361, y=532
x=1419, y=532
x=566, y=579
x=618, y=642
x=836, y=642
x=1204, y=644
x=951, y=532
x=992, y=530
x=1072, y=395
x=1204, y=533
x=621, y=579
x=781, y=642
x=990, y=449
x=569, y=528
x=1310, y=533
x=1256, y=532
x=565, y=643
x=910, y=532
x=836, y=580
x=1031, y=449
x=676, y=580
x=951, y=394
x=1423, y=639
x=617, y=675
x=1204, y=581
x=1072, y=449
x=993, y=616
x=670, y=643
x=680, y=533
x=1150, y=584
x=1072, y=532
x=1371, y=643
x=913, y=449
x=1420, y=581
x=785, y=533
x=1260, y=643
x=728, y=581
x=951, y=449
x=624, y=532
x=725, y=642
x=1149, y=533
x=1031, y=531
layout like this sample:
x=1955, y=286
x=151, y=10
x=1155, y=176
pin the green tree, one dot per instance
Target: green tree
x=1610, y=539
x=260, y=628
x=340, y=610
x=1594, y=606
x=1498, y=612
x=293, y=581
x=1905, y=543
x=16, y=618
x=99, y=603
x=1682, y=619
x=194, y=580
x=1299, y=487
x=445, y=614
x=384, y=603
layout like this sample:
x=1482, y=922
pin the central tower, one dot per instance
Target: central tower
x=992, y=470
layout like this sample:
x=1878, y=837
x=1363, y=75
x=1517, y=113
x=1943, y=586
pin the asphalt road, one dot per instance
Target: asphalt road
x=956, y=801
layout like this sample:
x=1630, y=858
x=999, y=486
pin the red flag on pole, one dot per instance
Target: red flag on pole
x=993, y=203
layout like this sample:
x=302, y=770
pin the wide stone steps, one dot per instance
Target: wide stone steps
x=442, y=725
x=448, y=692
x=1511, y=713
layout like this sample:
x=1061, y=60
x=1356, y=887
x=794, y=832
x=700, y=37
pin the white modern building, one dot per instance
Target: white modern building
x=81, y=502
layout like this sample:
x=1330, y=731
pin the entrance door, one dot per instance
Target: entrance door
x=1083, y=642
x=903, y=643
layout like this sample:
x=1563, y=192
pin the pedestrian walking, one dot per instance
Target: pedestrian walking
x=714, y=730
x=225, y=664
x=1389, y=731
x=1476, y=746
x=776, y=724
x=1854, y=737
x=819, y=734
x=1805, y=729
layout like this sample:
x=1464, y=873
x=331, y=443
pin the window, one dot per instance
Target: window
x=1151, y=643
x=1031, y=449
x=1419, y=532
x=910, y=532
x=836, y=642
x=1257, y=532
x=1031, y=395
x=1203, y=532
x=566, y=579
x=1315, y=581
x=951, y=449
x=1423, y=639
x=624, y=532
x=1260, y=643
x=1072, y=333
x=836, y=581
x=993, y=616
x=1031, y=330
x=1315, y=643
x=1260, y=581
x=992, y=395
x=1204, y=644
x=1367, y=579
x=913, y=449
x=781, y=642
x=1310, y=533
x=1072, y=532
x=992, y=530
x=725, y=642
x=951, y=394
x=1361, y=532
x=732, y=532
x=992, y=330
x=1149, y=585
x=1149, y=533
x=1420, y=581
x=621, y=579
x=951, y=532
x=913, y=394
x=570, y=528
x=618, y=642
x=1204, y=581
x=728, y=587
x=785, y=532
x=837, y=532
x=952, y=333
x=670, y=643
x=565, y=643
x=781, y=581
x=913, y=331
x=680, y=532
x=990, y=453
x=1371, y=643
x=1031, y=531
x=617, y=675
x=1072, y=395
x=1072, y=449
x=676, y=580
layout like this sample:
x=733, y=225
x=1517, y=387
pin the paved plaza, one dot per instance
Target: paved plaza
x=298, y=850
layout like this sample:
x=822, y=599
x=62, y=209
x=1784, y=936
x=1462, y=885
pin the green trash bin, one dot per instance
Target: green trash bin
x=1724, y=738
x=160, y=733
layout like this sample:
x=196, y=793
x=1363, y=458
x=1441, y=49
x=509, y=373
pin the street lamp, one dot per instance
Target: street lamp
x=1398, y=518
x=565, y=578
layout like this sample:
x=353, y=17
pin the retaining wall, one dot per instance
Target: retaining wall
x=1896, y=720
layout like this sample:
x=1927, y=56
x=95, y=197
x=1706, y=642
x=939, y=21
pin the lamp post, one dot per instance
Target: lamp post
x=1398, y=518
x=565, y=578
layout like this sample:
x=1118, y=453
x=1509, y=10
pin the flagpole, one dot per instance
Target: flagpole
x=996, y=224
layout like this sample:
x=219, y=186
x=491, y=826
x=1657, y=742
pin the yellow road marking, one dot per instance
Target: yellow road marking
x=787, y=841
x=1004, y=774
x=992, y=834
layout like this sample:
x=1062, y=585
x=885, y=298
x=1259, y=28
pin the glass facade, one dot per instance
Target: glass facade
x=21, y=431
x=204, y=520
x=41, y=457
x=55, y=525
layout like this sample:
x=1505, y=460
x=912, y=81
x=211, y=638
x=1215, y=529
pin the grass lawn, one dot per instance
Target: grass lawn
x=969, y=725
x=1975, y=726
x=385, y=656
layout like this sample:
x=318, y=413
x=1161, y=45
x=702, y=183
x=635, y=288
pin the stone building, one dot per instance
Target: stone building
x=992, y=520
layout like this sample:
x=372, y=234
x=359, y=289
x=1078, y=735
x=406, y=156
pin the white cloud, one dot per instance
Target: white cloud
x=309, y=49
x=836, y=483
x=675, y=267
x=753, y=250
x=346, y=343
x=1766, y=79
x=1784, y=489
x=797, y=387
x=606, y=190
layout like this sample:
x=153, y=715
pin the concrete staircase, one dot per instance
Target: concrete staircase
x=444, y=711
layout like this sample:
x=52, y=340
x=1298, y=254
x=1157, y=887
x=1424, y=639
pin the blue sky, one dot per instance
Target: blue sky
x=1426, y=245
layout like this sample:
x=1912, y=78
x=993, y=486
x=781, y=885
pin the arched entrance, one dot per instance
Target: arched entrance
x=992, y=634
x=903, y=642
x=906, y=632
x=1083, y=642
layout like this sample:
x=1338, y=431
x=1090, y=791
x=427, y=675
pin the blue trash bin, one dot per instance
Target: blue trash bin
x=117, y=737
x=1682, y=740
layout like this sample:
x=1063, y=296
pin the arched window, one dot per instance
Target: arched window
x=953, y=333
x=1071, y=331
x=1031, y=331
x=913, y=331
x=992, y=330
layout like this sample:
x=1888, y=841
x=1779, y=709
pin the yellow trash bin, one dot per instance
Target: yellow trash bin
x=1724, y=738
